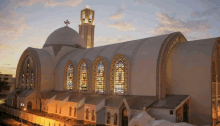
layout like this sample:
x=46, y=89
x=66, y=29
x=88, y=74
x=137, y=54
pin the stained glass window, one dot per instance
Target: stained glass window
x=83, y=77
x=119, y=77
x=100, y=78
x=70, y=77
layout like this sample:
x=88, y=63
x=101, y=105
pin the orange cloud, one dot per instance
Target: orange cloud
x=122, y=26
x=193, y=29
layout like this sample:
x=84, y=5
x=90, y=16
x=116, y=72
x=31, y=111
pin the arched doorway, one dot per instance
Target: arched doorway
x=185, y=112
x=29, y=105
x=124, y=117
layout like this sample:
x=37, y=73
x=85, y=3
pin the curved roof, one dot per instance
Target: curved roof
x=142, y=55
x=65, y=36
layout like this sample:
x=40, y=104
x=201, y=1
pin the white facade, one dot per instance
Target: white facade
x=156, y=66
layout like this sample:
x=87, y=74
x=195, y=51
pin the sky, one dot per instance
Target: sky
x=28, y=23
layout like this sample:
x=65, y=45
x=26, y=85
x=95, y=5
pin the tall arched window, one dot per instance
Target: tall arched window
x=119, y=75
x=99, y=75
x=27, y=73
x=70, y=77
x=83, y=76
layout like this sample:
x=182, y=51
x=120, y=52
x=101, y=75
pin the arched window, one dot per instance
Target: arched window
x=60, y=109
x=99, y=75
x=87, y=113
x=70, y=112
x=108, y=118
x=119, y=74
x=93, y=115
x=83, y=76
x=70, y=77
x=115, y=119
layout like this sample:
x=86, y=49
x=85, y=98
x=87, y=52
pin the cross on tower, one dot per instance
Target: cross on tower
x=66, y=22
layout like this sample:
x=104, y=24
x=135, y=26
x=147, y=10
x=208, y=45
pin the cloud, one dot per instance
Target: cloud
x=50, y=3
x=119, y=13
x=6, y=64
x=193, y=29
x=106, y=40
x=210, y=8
x=122, y=26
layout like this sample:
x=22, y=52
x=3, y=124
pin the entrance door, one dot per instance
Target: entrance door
x=185, y=112
x=124, y=117
x=29, y=105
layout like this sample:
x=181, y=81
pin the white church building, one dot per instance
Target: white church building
x=172, y=78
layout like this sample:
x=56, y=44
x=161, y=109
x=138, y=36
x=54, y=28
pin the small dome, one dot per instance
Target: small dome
x=65, y=36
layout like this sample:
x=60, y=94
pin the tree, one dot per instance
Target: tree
x=4, y=86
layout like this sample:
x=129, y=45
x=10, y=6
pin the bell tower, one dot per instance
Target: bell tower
x=86, y=27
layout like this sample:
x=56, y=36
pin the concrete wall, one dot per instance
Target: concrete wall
x=161, y=113
x=112, y=113
x=189, y=73
x=101, y=116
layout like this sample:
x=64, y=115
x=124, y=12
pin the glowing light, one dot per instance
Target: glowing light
x=87, y=6
x=25, y=109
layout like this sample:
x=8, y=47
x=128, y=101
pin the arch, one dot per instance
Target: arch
x=215, y=72
x=124, y=75
x=69, y=76
x=83, y=71
x=165, y=49
x=102, y=76
x=30, y=52
x=29, y=105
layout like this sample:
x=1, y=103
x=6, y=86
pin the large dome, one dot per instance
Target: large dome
x=65, y=36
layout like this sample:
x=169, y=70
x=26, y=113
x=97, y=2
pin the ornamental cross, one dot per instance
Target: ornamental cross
x=66, y=22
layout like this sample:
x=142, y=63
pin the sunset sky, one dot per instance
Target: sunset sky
x=28, y=23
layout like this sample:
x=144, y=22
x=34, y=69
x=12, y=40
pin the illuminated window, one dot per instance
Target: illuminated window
x=119, y=77
x=70, y=77
x=83, y=77
x=100, y=78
